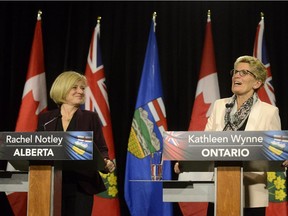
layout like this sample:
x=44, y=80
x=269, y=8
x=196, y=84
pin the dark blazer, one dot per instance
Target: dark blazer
x=85, y=173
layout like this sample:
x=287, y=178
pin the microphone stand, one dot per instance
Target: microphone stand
x=228, y=110
x=52, y=120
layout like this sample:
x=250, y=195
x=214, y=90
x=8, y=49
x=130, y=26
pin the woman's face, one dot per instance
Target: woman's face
x=76, y=96
x=246, y=84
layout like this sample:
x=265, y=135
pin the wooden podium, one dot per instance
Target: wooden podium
x=39, y=156
x=229, y=189
x=229, y=151
x=41, y=189
x=45, y=189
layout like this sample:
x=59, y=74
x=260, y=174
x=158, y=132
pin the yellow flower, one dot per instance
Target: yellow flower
x=279, y=183
x=112, y=191
x=112, y=179
x=271, y=176
x=280, y=195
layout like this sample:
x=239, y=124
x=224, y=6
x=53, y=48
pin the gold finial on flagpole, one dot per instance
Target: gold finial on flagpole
x=208, y=13
x=99, y=19
x=39, y=15
x=154, y=20
x=154, y=16
x=262, y=15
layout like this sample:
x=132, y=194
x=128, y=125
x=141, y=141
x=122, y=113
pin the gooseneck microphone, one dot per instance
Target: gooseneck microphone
x=50, y=121
x=229, y=105
x=228, y=110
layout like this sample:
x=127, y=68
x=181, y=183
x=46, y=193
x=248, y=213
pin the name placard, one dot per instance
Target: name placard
x=72, y=145
x=225, y=145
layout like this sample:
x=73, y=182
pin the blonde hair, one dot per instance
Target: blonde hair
x=63, y=84
x=257, y=67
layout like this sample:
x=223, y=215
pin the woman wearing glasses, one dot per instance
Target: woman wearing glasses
x=244, y=111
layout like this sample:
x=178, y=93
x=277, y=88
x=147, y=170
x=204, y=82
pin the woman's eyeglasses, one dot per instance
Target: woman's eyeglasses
x=242, y=73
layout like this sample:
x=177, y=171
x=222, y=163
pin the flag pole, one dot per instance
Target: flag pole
x=209, y=16
x=154, y=16
x=154, y=20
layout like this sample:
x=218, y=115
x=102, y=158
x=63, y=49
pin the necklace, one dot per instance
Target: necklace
x=67, y=116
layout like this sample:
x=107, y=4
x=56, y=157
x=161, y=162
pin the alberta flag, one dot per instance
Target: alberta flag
x=105, y=203
x=277, y=185
x=145, y=197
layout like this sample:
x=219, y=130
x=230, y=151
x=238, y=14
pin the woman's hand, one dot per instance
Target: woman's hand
x=285, y=163
x=110, y=166
x=177, y=168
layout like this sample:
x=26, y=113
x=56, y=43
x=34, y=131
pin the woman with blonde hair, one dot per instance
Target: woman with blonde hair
x=78, y=184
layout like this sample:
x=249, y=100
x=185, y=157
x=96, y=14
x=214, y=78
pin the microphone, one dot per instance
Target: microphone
x=50, y=121
x=228, y=107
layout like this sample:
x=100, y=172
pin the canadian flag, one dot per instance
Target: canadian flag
x=206, y=93
x=34, y=101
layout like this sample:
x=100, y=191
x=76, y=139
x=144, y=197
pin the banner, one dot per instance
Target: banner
x=34, y=101
x=226, y=145
x=206, y=93
x=46, y=145
x=107, y=202
x=277, y=184
x=142, y=196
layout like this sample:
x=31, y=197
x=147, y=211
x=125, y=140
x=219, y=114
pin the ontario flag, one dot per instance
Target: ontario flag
x=34, y=101
x=142, y=196
x=105, y=203
x=267, y=92
x=207, y=92
x=277, y=186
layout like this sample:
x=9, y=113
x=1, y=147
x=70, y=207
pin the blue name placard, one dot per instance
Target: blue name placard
x=72, y=145
x=225, y=145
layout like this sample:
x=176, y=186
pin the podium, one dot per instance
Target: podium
x=229, y=196
x=230, y=151
x=40, y=156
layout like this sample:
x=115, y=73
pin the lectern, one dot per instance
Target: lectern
x=229, y=151
x=41, y=155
